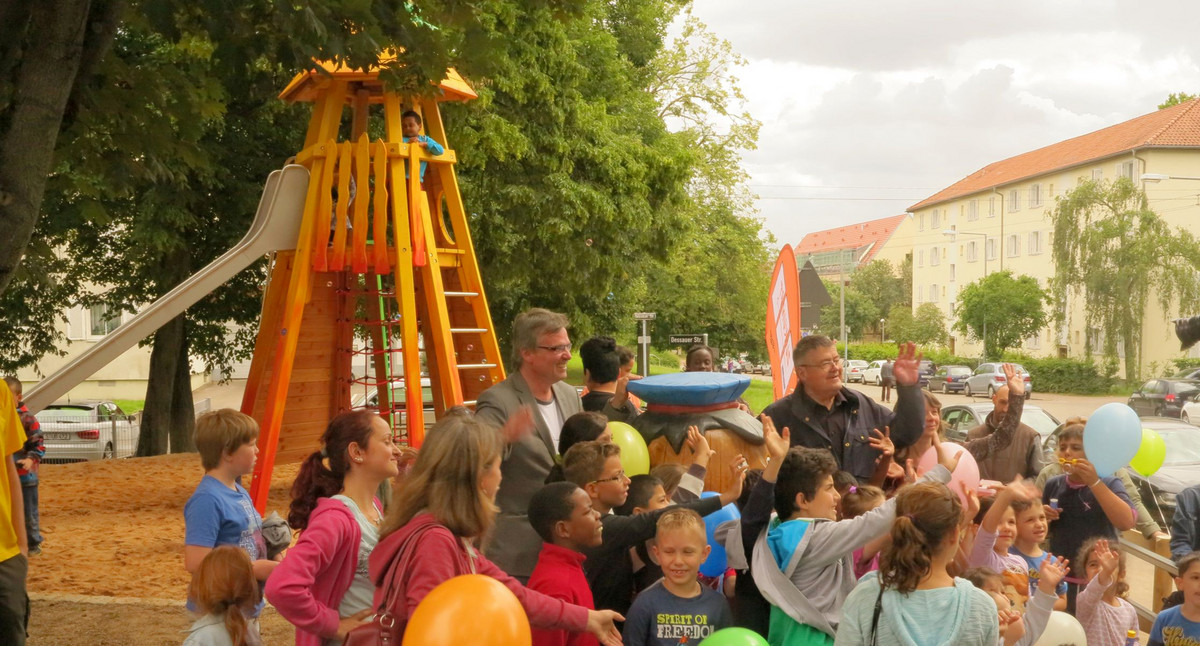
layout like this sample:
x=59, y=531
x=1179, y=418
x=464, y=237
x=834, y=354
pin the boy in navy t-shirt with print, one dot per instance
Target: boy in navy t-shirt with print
x=1180, y=625
x=677, y=610
x=220, y=511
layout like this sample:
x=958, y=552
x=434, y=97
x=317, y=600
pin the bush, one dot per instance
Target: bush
x=1074, y=376
x=1186, y=364
x=877, y=351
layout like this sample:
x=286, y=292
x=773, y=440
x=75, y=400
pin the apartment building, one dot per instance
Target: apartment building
x=833, y=251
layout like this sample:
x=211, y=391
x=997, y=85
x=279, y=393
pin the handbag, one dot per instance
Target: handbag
x=381, y=631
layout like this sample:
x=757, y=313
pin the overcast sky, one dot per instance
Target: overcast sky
x=869, y=107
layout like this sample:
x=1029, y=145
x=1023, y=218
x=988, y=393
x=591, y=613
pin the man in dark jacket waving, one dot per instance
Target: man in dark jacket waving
x=823, y=414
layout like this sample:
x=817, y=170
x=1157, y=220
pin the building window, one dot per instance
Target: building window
x=1035, y=242
x=972, y=210
x=1014, y=200
x=1128, y=169
x=935, y=220
x=933, y=293
x=920, y=291
x=104, y=320
x=1035, y=195
x=972, y=251
x=1034, y=342
x=935, y=258
x=921, y=258
x=921, y=222
x=1097, y=174
x=1013, y=246
x=991, y=249
x=952, y=272
x=992, y=206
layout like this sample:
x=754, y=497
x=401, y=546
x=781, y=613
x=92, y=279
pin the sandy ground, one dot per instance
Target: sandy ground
x=115, y=529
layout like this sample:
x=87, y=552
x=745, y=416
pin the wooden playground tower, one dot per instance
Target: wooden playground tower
x=386, y=281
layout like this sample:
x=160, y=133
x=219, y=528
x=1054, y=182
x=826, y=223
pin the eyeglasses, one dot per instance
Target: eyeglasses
x=828, y=364
x=557, y=349
x=617, y=478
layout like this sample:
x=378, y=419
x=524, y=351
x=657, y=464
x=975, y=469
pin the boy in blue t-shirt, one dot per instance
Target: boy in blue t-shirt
x=677, y=610
x=410, y=128
x=220, y=511
x=1180, y=625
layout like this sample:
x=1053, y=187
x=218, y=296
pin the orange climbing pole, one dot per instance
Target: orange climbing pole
x=381, y=304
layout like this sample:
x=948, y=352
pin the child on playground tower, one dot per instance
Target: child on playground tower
x=410, y=127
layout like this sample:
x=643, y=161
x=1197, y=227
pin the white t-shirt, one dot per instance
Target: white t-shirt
x=552, y=417
x=360, y=596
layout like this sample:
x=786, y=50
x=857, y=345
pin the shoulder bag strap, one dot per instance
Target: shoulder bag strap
x=875, y=615
x=384, y=616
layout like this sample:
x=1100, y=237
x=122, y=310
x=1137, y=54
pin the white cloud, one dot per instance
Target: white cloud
x=899, y=100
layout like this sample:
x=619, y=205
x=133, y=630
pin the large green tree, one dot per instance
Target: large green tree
x=861, y=313
x=878, y=281
x=1010, y=309
x=1113, y=251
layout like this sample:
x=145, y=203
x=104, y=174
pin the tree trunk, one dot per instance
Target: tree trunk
x=157, y=416
x=183, y=409
x=42, y=83
x=1131, y=358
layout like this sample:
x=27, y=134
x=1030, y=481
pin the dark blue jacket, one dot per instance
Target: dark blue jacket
x=1185, y=525
x=856, y=454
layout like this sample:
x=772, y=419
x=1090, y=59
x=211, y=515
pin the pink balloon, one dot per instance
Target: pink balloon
x=967, y=471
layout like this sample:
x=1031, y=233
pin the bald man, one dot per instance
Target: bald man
x=1023, y=457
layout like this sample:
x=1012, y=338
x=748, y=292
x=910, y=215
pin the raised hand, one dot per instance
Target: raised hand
x=738, y=467
x=1052, y=571
x=910, y=472
x=519, y=424
x=1109, y=558
x=621, y=392
x=1016, y=383
x=1085, y=472
x=698, y=443
x=907, y=368
x=777, y=444
x=945, y=458
x=971, y=509
x=883, y=442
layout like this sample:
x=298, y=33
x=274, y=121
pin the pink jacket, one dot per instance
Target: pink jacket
x=442, y=556
x=307, y=587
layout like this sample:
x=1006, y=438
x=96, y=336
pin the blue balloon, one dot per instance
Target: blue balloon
x=1111, y=438
x=715, y=564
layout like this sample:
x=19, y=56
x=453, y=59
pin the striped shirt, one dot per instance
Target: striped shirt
x=1104, y=624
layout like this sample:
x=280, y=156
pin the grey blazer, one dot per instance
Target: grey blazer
x=514, y=546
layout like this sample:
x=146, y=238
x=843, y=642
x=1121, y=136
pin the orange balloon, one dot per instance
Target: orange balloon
x=469, y=609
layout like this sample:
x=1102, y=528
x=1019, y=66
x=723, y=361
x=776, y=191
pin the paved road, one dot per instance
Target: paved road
x=1060, y=406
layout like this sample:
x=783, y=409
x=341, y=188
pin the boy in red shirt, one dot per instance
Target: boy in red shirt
x=563, y=516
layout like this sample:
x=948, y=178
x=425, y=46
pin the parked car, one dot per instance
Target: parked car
x=853, y=369
x=870, y=374
x=88, y=430
x=961, y=418
x=989, y=377
x=369, y=398
x=1193, y=373
x=1180, y=469
x=949, y=379
x=1191, y=411
x=926, y=370
x=1163, y=397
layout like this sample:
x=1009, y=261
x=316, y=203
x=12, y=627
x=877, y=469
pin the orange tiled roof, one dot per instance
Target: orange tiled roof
x=852, y=236
x=1178, y=125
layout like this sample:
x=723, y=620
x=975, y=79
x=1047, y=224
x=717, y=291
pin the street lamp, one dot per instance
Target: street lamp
x=1158, y=177
x=952, y=233
x=882, y=336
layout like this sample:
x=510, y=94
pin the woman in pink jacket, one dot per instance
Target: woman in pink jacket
x=322, y=586
x=436, y=521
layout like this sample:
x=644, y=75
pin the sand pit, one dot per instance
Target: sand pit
x=115, y=529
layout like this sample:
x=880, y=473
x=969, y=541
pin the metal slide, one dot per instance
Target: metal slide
x=276, y=227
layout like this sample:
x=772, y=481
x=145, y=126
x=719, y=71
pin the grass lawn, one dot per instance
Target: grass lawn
x=130, y=406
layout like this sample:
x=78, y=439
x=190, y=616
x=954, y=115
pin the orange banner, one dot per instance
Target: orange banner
x=783, y=321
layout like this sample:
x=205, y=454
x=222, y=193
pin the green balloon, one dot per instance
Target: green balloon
x=1150, y=455
x=734, y=637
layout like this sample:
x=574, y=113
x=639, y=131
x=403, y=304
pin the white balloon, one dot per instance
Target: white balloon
x=1062, y=630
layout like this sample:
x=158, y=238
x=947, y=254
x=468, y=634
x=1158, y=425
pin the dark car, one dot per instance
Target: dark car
x=926, y=370
x=961, y=418
x=1180, y=469
x=1192, y=373
x=1163, y=397
x=949, y=379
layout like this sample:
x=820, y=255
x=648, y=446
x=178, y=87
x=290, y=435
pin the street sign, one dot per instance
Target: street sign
x=643, y=316
x=688, y=339
x=643, y=339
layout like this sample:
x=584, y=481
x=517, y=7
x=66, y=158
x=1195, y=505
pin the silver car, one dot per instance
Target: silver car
x=87, y=430
x=961, y=418
x=989, y=377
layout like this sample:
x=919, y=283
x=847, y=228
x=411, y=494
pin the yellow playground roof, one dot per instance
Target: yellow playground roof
x=306, y=86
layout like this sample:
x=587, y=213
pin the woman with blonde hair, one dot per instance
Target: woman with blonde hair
x=446, y=507
x=913, y=599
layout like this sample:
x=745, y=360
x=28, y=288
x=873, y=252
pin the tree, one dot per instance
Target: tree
x=861, y=313
x=928, y=326
x=878, y=282
x=1115, y=252
x=1175, y=98
x=906, y=281
x=1009, y=308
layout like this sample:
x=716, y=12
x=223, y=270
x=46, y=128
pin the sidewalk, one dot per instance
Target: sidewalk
x=226, y=395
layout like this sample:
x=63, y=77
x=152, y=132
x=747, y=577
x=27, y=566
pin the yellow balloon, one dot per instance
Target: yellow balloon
x=635, y=457
x=1150, y=455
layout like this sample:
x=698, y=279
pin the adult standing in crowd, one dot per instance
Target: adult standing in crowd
x=541, y=348
x=823, y=414
x=14, y=560
x=1022, y=458
x=888, y=380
